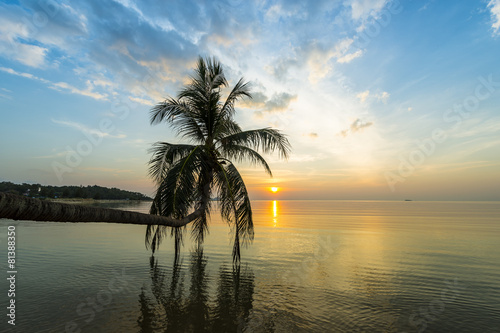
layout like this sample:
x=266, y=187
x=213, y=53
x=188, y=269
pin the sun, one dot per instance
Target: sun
x=274, y=189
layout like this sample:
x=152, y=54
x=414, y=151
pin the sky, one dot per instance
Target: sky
x=382, y=100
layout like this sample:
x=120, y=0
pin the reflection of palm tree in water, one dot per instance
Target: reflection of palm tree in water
x=171, y=308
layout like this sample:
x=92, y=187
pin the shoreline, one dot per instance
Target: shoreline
x=90, y=200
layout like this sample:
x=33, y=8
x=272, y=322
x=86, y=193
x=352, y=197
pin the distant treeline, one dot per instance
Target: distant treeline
x=94, y=192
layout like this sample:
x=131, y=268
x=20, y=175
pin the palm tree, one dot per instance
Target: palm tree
x=189, y=176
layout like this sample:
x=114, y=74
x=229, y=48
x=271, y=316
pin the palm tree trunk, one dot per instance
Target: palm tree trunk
x=18, y=207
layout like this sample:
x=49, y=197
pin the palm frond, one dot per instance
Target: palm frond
x=225, y=126
x=176, y=194
x=217, y=77
x=242, y=153
x=235, y=205
x=164, y=156
x=204, y=99
x=181, y=116
x=199, y=226
x=265, y=139
x=240, y=90
x=167, y=111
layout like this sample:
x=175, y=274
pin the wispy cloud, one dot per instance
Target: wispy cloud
x=25, y=75
x=494, y=6
x=89, y=91
x=5, y=96
x=384, y=96
x=60, y=86
x=350, y=57
x=87, y=130
x=356, y=126
x=381, y=97
x=142, y=101
x=6, y=93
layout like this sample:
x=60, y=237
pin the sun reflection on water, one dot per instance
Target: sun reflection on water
x=275, y=213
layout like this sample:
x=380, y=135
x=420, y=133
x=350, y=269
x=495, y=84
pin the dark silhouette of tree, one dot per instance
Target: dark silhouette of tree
x=96, y=192
x=188, y=176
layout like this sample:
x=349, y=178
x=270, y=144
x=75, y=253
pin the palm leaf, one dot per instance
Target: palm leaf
x=240, y=90
x=266, y=139
x=181, y=116
x=242, y=153
x=235, y=205
x=164, y=155
x=176, y=193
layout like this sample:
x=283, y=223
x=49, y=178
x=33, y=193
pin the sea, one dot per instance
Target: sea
x=314, y=266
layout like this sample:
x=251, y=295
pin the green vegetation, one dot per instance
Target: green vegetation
x=84, y=192
x=188, y=176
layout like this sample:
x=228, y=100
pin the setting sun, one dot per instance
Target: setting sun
x=274, y=189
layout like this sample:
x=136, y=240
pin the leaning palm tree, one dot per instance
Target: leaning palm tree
x=190, y=175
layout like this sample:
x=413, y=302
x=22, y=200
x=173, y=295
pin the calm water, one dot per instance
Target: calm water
x=315, y=266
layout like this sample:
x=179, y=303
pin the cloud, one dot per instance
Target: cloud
x=280, y=68
x=316, y=57
x=25, y=75
x=127, y=43
x=11, y=32
x=279, y=102
x=89, y=91
x=142, y=101
x=356, y=126
x=382, y=97
x=350, y=57
x=30, y=55
x=276, y=103
x=494, y=6
x=6, y=93
x=362, y=9
x=28, y=33
x=147, y=49
x=281, y=11
x=319, y=57
x=363, y=95
x=5, y=96
x=62, y=86
x=87, y=130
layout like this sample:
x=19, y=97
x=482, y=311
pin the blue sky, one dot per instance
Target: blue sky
x=380, y=99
